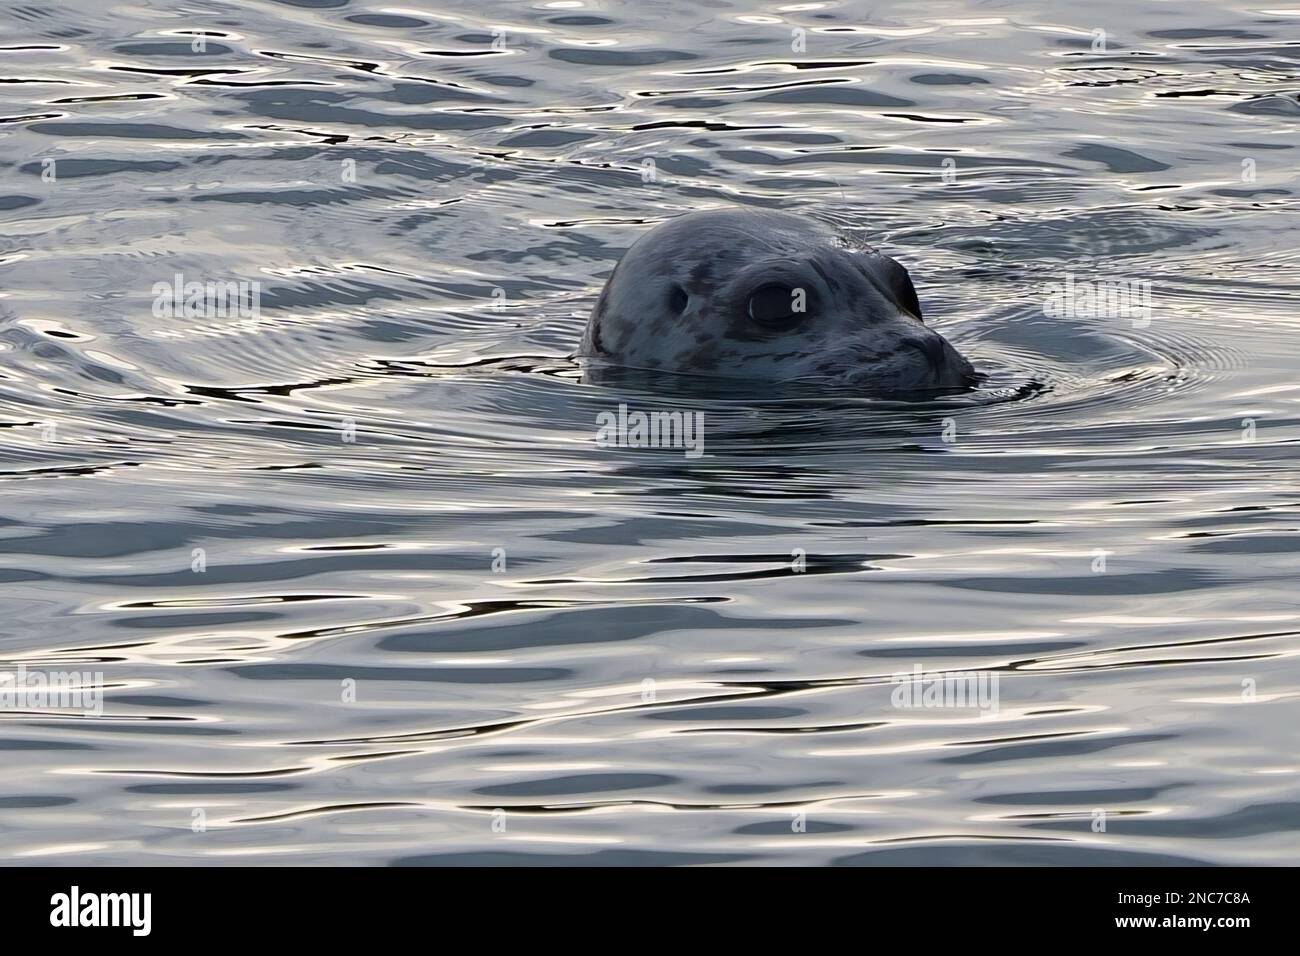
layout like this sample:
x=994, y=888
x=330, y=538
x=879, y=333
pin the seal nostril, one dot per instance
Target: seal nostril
x=932, y=347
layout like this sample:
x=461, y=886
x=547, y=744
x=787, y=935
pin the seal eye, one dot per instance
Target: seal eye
x=777, y=305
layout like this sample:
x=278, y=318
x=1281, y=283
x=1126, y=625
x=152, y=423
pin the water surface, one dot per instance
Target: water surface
x=563, y=653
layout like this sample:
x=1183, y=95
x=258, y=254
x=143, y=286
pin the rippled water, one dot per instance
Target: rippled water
x=389, y=482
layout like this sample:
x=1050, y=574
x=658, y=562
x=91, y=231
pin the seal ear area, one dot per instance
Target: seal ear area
x=898, y=282
x=592, y=344
x=677, y=299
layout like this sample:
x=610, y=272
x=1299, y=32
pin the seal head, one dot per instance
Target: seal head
x=768, y=297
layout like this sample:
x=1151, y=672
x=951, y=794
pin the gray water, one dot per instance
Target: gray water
x=364, y=588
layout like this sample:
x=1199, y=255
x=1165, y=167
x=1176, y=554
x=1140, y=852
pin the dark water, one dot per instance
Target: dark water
x=1110, y=524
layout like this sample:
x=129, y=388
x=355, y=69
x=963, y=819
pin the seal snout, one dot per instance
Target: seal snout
x=933, y=346
x=948, y=367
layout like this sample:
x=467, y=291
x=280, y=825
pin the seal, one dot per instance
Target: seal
x=767, y=297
